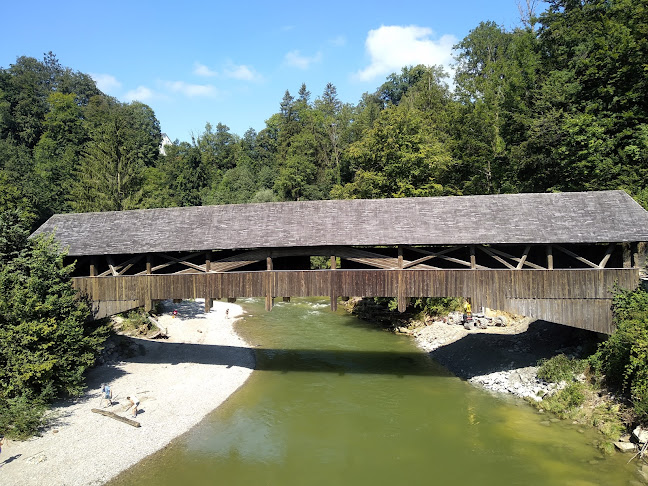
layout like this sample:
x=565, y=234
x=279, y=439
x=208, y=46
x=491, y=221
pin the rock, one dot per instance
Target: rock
x=643, y=473
x=625, y=447
x=455, y=318
x=640, y=435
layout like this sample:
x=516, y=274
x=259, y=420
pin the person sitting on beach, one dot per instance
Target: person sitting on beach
x=134, y=402
x=106, y=394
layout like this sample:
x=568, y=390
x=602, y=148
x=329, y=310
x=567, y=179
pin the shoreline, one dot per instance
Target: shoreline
x=177, y=382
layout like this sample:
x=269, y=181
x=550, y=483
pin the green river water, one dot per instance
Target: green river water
x=334, y=401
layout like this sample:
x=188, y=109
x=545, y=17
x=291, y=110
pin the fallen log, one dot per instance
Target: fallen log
x=116, y=417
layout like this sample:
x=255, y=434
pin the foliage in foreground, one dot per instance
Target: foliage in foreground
x=581, y=402
x=620, y=363
x=623, y=358
x=44, y=345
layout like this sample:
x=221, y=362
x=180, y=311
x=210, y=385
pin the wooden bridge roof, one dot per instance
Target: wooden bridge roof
x=577, y=217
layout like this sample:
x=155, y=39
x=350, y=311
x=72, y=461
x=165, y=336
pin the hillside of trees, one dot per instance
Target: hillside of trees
x=557, y=104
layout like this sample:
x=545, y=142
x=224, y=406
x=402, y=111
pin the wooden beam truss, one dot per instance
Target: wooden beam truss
x=404, y=257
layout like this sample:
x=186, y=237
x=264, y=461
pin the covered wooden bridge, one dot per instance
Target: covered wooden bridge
x=551, y=256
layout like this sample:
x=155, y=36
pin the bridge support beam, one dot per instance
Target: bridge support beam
x=208, y=298
x=148, y=302
x=402, y=296
x=269, y=300
x=333, y=284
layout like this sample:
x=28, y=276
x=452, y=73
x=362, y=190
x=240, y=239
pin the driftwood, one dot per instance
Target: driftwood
x=159, y=334
x=116, y=417
x=640, y=453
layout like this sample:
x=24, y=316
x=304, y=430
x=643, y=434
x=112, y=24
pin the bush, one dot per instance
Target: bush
x=623, y=358
x=437, y=306
x=560, y=368
x=21, y=416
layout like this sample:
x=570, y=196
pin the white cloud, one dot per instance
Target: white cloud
x=141, y=93
x=202, y=70
x=106, y=82
x=242, y=72
x=338, y=41
x=295, y=59
x=192, y=90
x=393, y=47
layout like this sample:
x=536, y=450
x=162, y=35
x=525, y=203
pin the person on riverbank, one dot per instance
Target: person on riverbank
x=106, y=395
x=134, y=403
x=1, y=442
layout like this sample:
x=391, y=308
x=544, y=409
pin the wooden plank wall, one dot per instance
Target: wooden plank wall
x=579, y=298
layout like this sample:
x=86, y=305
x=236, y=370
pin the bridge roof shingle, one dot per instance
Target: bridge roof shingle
x=577, y=217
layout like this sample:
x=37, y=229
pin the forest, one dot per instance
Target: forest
x=559, y=103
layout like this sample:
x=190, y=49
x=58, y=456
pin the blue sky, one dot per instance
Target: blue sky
x=231, y=62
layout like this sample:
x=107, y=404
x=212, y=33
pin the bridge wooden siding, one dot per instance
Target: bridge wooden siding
x=579, y=298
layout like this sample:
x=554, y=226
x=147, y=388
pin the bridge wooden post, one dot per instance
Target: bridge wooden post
x=93, y=273
x=402, y=297
x=268, y=284
x=333, y=283
x=550, y=262
x=473, y=258
x=630, y=255
x=208, y=297
x=148, y=302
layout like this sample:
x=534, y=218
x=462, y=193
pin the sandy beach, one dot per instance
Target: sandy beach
x=178, y=381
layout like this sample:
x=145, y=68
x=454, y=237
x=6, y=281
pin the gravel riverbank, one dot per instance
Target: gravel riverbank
x=177, y=382
x=501, y=359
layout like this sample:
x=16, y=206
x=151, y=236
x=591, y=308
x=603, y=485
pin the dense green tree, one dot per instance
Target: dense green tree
x=110, y=173
x=185, y=174
x=593, y=98
x=401, y=156
x=397, y=85
x=218, y=149
x=58, y=151
x=44, y=345
x=495, y=74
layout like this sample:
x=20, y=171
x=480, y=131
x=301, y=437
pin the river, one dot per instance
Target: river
x=335, y=401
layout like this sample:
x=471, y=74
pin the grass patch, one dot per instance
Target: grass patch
x=564, y=403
